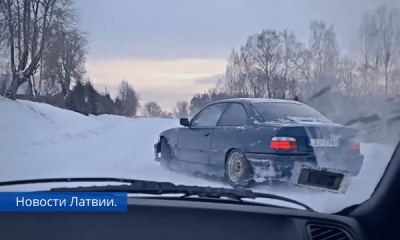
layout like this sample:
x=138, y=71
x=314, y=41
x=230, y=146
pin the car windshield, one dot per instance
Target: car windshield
x=299, y=99
x=281, y=112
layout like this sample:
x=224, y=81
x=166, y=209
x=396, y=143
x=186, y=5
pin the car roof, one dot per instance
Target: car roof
x=257, y=100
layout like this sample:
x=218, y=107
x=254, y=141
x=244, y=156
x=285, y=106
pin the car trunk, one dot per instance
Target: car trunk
x=331, y=155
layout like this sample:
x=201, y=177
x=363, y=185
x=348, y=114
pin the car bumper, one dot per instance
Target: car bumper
x=281, y=166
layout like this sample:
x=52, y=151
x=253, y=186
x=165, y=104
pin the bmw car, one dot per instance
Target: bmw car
x=253, y=140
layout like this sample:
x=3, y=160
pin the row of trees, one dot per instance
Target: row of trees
x=274, y=64
x=152, y=109
x=377, y=63
x=43, y=49
x=85, y=99
x=46, y=49
x=42, y=46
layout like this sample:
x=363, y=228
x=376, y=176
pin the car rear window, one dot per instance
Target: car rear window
x=271, y=112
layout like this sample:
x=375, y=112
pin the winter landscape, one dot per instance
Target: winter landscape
x=42, y=141
x=85, y=96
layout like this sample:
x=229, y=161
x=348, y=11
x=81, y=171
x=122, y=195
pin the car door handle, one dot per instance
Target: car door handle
x=206, y=134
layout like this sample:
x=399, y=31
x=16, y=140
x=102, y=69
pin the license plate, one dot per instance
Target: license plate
x=323, y=142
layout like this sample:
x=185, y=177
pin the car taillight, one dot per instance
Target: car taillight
x=355, y=146
x=283, y=143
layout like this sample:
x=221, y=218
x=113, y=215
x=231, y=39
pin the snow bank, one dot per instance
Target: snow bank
x=41, y=141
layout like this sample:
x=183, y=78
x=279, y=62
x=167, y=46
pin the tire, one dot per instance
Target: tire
x=166, y=155
x=238, y=171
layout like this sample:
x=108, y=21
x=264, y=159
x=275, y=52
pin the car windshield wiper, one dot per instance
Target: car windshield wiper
x=157, y=188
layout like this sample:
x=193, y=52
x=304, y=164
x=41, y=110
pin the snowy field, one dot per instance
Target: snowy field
x=41, y=141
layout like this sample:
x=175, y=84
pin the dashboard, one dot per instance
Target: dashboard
x=174, y=218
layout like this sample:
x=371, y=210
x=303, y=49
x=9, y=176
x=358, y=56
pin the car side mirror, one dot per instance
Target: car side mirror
x=184, y=122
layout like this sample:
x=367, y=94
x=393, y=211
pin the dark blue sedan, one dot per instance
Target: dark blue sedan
x=256, y=139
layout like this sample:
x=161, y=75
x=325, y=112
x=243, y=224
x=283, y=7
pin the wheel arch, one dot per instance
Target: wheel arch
x=163, y=137
x=171, y=135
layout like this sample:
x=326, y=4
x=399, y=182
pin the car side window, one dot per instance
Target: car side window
x=209, y=116
x=234, y=115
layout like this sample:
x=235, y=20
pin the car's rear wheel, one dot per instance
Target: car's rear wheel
x=165, y=154
x=238, y=171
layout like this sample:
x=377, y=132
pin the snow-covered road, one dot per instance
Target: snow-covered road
x=41, y=141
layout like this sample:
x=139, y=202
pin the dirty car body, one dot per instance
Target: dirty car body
x=273, y=135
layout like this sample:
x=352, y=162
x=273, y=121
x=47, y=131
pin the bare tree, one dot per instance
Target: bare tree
x=65, y=59
x=379, y=49
x=347, y=74
x=151, y=109
x=387, y=22
x=273, y=64
x=28, y=23
x=314, y=61
x=302, y=61
x=3, y=33
x=323, y=48
x=264, y=67
x=284, y=84
x=366, y=56
x=5, y=75
x=128, y=98
x=236, y=76
x=394, y=85
x=264, y=50
x=290, y=45
x=181, y=109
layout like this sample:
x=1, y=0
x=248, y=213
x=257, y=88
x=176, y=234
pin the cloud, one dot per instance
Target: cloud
x=165, y=82
x=143, y=72
x=180, y=75
x=209, y=80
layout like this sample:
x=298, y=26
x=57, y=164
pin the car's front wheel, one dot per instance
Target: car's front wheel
x=238, y=171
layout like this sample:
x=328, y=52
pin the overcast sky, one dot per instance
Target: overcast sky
x=170, y=49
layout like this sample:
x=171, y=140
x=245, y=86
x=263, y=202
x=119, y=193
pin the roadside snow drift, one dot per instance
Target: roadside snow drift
x=41, y=141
